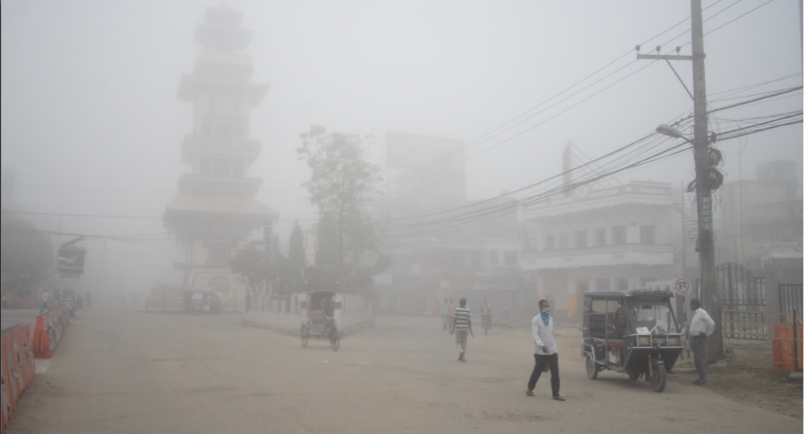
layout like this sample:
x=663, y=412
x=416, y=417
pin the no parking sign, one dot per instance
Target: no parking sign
x=682, y=287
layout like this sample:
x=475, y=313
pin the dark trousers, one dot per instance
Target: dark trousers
x=698, y=344
x=541, y=361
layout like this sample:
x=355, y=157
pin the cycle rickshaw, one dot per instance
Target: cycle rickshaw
x=633, y=332
x=320, y=319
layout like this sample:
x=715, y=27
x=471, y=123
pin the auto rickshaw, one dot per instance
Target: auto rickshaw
x=200, y=301
x=320, y=319
x=633, y=332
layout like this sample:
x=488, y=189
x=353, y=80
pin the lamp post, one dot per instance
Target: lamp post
x=705, y=244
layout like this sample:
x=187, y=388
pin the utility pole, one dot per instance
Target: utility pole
x=703, y=175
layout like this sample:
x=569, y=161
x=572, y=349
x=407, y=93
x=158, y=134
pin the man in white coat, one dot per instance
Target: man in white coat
x=701, y=327
x=546, y=353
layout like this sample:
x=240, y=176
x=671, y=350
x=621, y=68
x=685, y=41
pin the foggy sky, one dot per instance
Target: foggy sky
x=91, y=124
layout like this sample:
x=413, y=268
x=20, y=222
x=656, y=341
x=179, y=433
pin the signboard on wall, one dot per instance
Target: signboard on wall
x=71, y=261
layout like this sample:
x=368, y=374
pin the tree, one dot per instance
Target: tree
x=26, y=255
x=296, y=259
x=342, y=185
x=251, y=264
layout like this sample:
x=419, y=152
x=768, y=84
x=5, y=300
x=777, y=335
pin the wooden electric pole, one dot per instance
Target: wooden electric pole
x=703, y=175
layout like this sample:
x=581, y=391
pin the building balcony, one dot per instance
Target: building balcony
x=208, y=185
x=197, y=145
x=627, y=254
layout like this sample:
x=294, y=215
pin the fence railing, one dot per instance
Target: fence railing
x=768, y=339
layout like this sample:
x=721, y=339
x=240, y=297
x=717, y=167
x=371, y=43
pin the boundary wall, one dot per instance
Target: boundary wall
x=17, y=368
x=352, y=312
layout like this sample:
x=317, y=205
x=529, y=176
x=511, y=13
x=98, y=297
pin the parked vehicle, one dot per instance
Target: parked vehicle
x=320, y=319
x=200, y=301
x=632, y=332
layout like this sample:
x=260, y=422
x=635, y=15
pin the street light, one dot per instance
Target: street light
x=667, y=130
x=707, y=178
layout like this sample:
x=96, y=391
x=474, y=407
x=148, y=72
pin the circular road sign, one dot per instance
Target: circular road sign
x=682, y=286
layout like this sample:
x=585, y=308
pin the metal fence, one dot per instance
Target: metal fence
x=751, y=337
x=790, y=299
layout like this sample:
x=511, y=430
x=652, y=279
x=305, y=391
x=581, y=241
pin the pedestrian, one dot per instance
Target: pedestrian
x=462, y=326
x=43, y=309
x=442, y=310
x=546, y=353
x=485, y=315
x=701, y=327
x=451, y=314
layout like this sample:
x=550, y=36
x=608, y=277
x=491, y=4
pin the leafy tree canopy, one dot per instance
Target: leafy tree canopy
x=342, y=185
x=26, y=255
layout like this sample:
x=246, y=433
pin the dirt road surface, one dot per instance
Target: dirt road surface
x=122, y=371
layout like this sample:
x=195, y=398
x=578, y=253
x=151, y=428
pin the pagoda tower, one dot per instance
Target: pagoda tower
x=215, y=210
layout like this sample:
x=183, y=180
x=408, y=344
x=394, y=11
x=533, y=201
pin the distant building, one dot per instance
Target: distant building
x=604, y=239
x=434, y=261
x=216, y=210
x=755, y=214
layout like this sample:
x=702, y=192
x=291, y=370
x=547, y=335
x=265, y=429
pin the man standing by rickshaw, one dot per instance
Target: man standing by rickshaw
x=701, y=327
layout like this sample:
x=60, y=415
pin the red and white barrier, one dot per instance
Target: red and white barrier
x=49, y=329
x=17, y=368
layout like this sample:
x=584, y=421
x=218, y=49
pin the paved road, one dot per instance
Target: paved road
x=123, y=371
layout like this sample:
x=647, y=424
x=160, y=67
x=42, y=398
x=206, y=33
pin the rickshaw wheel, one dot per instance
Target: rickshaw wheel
x=634, y=375
x=305, y=335
x=659, y=379
x=591, y=368
x=334, y=340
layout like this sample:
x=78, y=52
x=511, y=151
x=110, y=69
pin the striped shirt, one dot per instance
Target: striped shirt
x=462, y=316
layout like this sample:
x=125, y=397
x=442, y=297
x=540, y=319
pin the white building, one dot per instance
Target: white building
x=617, y=238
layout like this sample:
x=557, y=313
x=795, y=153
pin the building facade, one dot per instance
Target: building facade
x=607, y=239
x=215, y=210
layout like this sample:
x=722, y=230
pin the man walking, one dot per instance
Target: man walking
x=701, y=327
x=546, y=350
x=462, y=326
x=442, y=310
x=451, y=315
x=43, y=309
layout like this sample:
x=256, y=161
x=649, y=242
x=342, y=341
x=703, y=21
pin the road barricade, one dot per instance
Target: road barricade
x=17, y=368
x=49, y=329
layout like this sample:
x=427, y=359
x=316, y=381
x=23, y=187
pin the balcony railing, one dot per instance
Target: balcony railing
x=661, y=248
x=194, y=143
x=201, y=184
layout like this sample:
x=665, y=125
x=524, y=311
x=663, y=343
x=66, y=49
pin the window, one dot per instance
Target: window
x=602, y=284
x=563, y=241
x=622, y=284
x=240, y=130
x=223, y=130
x=618, y=235
x=204, y=166
x=510, y=258
x=221, y=168
x=647, y=234
x=494, y=258
x=600, y=237
x=645, y=280
x=217, y=255
x=580, y=239
x=237, y=169
x=475, y=261
x=550, y=242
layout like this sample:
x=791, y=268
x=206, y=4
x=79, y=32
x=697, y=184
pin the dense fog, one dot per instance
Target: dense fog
x=92, y=129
